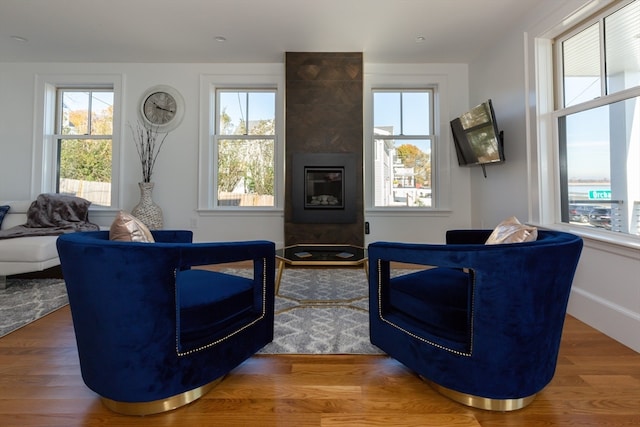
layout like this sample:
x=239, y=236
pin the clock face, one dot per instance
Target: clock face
x=160, y=108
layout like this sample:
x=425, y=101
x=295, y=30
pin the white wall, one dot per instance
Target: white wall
x=606, y=294
x=176, y=171
x=504, y=192
x=175, y=174
x=453, y=182
x=606, y=290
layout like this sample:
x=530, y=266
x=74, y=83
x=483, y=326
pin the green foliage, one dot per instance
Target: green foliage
x=246, y=161
x=230, y=165
x=260, y=174
x=86, y=160
x=413, y=157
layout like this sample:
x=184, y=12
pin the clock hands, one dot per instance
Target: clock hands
x=162, y=108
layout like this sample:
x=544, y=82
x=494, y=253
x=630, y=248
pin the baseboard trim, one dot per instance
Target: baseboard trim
x=609, y=318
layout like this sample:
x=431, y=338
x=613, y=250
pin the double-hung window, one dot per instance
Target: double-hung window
x=244, y=147
x=83, y=143
x=403, y=141
x=598, y=120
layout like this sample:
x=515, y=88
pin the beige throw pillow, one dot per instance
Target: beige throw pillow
x=127, y=228
x=512, y=231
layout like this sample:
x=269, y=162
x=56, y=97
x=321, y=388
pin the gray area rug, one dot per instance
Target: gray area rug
x=318, y=310
x=26, y=300
x=321, y=311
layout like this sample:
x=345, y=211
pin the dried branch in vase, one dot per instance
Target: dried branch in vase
x=148, y=144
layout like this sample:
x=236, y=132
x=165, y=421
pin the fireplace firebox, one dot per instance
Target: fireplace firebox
x=323, y=188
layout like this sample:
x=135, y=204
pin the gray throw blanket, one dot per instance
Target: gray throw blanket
x=51, y=215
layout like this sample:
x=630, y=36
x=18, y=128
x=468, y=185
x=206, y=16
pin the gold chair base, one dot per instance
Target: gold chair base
x=501, y=405
x=161, y=405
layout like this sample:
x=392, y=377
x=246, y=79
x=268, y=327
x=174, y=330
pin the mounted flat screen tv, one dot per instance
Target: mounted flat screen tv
x=477, y=138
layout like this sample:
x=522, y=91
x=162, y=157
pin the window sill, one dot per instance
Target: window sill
x=242, y=212
x=618, y=243
x=407, y=212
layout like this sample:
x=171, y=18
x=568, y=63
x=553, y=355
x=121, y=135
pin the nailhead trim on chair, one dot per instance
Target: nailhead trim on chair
x=381, y=316
x=237, y=331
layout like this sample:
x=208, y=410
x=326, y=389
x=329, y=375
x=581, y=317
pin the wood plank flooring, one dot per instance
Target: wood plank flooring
x=597, y=383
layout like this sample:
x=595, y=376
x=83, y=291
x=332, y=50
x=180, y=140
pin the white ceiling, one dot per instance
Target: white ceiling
x=256, y=30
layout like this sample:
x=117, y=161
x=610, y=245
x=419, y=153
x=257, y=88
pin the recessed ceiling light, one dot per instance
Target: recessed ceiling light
x=220, y=39
x=19, y=39
x=420, y=39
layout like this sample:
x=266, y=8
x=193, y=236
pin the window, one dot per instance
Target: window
x=84, y=143
x=403, y=138
x=78, y=148
x=241, y=154
x=598, y=120
x=244, y=144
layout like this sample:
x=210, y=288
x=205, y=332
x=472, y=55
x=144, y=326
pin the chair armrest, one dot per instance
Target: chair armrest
x=477, y=237
x=172, y=236
x=224, y=252
x=453, y=256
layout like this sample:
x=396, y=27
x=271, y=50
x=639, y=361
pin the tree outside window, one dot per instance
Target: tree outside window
x=403, y=142
x=84, y=144
x=245, y=141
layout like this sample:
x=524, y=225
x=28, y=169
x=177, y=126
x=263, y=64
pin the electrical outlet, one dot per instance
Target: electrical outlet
x=194, y=223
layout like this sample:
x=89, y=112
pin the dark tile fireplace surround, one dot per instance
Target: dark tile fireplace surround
x=324, y=188
x=324, y=182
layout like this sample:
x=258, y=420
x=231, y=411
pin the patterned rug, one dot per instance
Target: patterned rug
x=318, y=310
x=26, y=300
x=321, y=311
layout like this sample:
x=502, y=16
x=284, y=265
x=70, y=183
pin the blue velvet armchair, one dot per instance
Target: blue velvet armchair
x=482, y=323
x=152, y=332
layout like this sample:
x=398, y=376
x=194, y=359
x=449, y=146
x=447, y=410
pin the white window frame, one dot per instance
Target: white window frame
x=44, y=142
x=544, y=168
x=440, y=152
x=265, y=77
x=401, y=138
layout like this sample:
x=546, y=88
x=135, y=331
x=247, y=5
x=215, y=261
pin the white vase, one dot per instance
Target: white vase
x=146, y=210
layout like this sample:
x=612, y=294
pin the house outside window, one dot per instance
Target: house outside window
x=598, y=120
x=403, y=139
x=83, y=143
x=244, y=147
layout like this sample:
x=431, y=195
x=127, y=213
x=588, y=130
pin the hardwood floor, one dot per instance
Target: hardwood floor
x=597, y=383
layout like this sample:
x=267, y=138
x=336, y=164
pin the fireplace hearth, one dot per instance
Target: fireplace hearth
x=324, y=188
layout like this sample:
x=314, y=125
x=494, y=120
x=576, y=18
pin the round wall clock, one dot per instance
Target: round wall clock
x=161, y=108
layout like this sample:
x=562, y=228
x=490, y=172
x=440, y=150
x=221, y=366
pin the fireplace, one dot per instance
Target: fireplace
x=323, y=108
x=324, y=188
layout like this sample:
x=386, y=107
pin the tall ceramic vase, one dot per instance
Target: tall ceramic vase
x=146, y=210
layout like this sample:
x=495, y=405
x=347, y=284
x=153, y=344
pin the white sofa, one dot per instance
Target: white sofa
x=24, y=254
